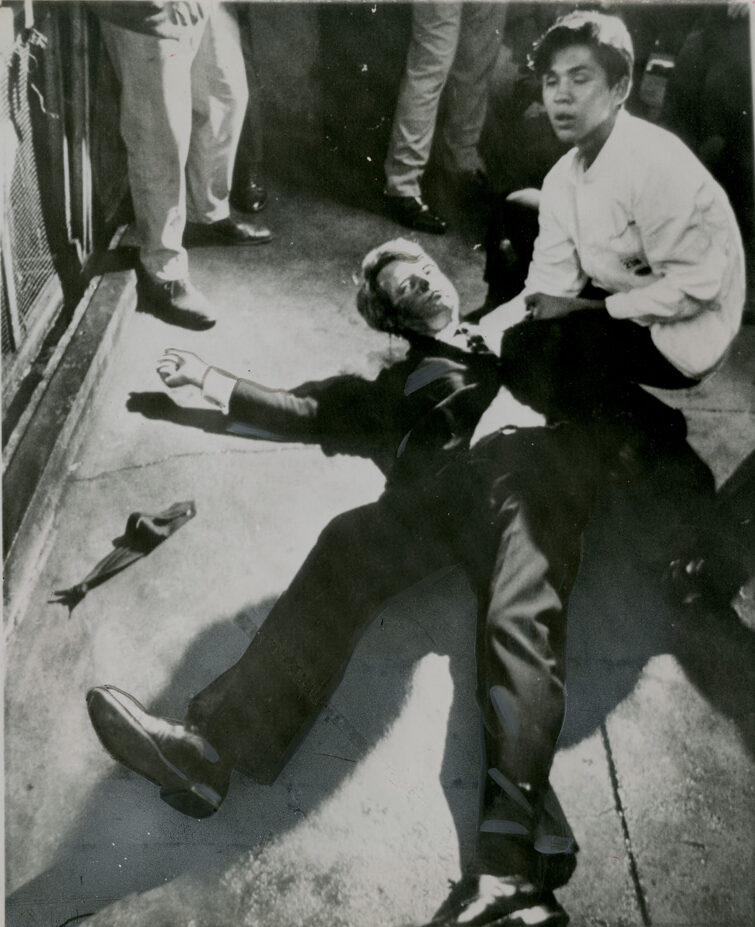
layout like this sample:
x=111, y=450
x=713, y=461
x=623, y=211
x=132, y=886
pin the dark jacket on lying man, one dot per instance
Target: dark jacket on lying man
x=414, y=415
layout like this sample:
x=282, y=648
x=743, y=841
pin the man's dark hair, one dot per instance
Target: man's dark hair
x=606, y=35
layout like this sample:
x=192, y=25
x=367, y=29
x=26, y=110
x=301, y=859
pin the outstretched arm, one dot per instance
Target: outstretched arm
x=275, y=412
x=341, y=405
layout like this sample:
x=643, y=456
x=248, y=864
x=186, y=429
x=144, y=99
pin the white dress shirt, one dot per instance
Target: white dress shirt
x=649, y=224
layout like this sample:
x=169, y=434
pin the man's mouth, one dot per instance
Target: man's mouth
x=564, y=120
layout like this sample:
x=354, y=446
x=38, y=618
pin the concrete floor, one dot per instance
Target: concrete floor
x=376, y=811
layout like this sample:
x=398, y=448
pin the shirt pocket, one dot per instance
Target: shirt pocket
x=626, y=248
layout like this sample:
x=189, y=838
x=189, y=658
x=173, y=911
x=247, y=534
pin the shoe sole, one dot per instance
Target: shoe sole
x=148, y=307
x=549, y=914
x=217, y=238
x=139, y=753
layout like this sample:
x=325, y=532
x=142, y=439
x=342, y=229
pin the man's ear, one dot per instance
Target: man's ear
x=621, y=89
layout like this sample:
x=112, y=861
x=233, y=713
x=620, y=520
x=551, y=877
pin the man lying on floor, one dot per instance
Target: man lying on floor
x=511, y=509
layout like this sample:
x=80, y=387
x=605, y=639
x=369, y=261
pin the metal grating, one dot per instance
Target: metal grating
x=28, y=259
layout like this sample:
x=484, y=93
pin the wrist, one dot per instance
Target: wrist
x=202, y=377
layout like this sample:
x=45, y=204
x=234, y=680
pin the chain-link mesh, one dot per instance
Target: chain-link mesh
x=30, y=257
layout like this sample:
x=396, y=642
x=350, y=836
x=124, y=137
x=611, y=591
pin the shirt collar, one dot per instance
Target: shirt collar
x=613, y=147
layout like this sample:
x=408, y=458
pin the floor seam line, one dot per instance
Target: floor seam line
x=633, y=868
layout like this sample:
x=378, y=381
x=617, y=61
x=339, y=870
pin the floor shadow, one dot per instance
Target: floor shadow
x=125, y=813
x=620, y=616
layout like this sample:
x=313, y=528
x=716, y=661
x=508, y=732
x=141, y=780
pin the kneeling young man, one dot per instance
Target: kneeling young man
x=637, y=274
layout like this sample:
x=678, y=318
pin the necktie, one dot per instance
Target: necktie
x=143, y=533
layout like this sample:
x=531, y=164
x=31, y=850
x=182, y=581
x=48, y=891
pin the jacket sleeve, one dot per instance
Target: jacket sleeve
x=344, y=405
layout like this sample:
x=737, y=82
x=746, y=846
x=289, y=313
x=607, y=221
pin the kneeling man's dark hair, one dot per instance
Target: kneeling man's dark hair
x=607, y=35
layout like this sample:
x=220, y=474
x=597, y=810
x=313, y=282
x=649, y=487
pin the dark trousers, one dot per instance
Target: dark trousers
x=512, y=511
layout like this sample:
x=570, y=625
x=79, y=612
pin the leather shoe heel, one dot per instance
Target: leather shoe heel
x=197, y=803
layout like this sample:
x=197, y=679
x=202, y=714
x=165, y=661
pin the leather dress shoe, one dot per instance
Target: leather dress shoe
x=192, y=777
x=228, y=231
x=177, y=302
x=249, y=196
x=413, y=212
x=499, y=901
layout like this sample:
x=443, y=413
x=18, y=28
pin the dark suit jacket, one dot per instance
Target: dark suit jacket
x=417, y=413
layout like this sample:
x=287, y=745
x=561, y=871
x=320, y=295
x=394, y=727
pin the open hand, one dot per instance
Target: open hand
x=181, y=368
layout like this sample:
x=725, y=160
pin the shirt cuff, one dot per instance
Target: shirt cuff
x=217, y=388
x=495, y=323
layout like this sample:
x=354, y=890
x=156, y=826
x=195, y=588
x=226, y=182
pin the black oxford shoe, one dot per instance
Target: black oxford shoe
x=414, y=213
x=228, y=231
x=192, y=777
x=249, y=197
x=177, y=302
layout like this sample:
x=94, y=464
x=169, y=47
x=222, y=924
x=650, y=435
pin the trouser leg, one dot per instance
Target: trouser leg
x=528, y=524
x=581, y=365
x=250, y=154
x=466, y=93
x=258, y=711
x=435, y=33
x=156, y=121
x=219, y=96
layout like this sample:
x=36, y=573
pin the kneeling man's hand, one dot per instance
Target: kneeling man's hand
x=181, y=368
x=540, y=306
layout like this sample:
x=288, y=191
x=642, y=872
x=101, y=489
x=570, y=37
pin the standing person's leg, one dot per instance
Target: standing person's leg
x=155, y=120
x=219, y=98
x=248, y=193
x=435, y=34
x=480, y=38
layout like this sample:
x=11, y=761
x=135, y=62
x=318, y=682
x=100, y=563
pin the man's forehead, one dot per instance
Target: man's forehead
x=408, y=264
x=572, y=57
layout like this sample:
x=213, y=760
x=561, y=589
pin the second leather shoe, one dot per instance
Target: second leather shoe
x=228, y=231
x=414, y=213
x=249, y=196
x=177, y=302
x=499, y=901
x=193, y=778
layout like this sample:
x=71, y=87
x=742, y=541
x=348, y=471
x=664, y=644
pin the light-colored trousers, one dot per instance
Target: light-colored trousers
x=453, y=45
x=182, y=108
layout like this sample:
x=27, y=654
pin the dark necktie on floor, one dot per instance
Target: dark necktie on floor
x=143, y=534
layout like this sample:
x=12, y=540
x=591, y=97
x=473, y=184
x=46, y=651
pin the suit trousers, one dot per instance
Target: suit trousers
x=183, y=102
x=512, y=512
x=453, y=46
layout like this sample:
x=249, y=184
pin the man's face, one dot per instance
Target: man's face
x=580, y=104
x=425, y=298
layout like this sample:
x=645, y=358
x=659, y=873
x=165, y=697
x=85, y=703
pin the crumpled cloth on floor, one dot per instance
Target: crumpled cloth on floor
x=143, y=534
